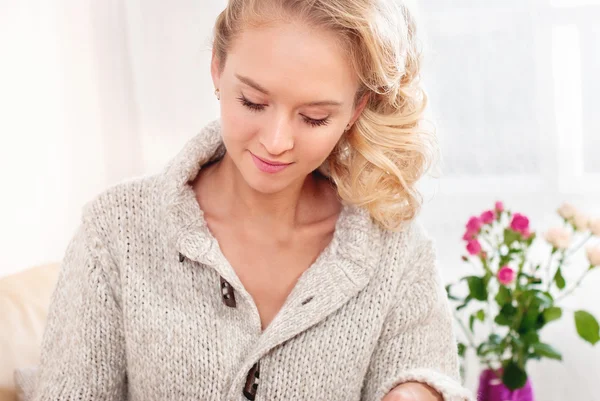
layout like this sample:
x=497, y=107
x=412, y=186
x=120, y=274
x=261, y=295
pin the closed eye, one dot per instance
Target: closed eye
x=316, y=123
x=256, y=107
x=250, y=105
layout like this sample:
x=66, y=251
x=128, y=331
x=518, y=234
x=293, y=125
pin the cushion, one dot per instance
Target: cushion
x=24, y=301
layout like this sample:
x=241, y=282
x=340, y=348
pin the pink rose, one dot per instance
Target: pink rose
x=499, y=206
x=474, y=224
x=469, y=235
x=473, y=247
x=487, y=217
x=519, y=223
x=506, y=275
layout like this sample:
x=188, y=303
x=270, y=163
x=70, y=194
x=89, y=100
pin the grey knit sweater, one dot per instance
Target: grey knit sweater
x=148, y=308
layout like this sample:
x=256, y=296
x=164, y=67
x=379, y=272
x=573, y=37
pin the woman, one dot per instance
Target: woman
x=277, y=257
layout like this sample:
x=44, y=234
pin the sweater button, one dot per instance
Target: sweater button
x=252, y=382
x=227, y=293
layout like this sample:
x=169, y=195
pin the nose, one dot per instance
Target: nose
x=278, y=137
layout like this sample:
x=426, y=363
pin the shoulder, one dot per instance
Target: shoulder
x=408, y=246
x=123, y=207
x=417, y=279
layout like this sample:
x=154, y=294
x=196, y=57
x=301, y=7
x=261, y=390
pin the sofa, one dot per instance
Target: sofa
x=24, y=300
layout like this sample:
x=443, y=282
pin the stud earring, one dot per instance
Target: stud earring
x=218, y=94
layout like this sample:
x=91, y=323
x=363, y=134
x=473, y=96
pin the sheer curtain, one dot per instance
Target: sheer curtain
x=94, y=92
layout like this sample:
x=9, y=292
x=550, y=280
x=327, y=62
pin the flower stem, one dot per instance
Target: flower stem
x=576, y=248
x=560, y=263
x=468, y=334
x=548, y=278
x=575, y=286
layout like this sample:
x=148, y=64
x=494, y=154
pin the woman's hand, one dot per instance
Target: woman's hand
x=413, y=391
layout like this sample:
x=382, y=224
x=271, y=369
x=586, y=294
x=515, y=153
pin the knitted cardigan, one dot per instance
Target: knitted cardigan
x=148, y=308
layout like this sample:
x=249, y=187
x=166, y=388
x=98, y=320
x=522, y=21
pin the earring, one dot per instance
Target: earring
x=218, y=94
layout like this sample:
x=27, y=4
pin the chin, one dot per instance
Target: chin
x=264, y=182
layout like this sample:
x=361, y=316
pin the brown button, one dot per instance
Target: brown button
x=252, y=382
x=227, y=293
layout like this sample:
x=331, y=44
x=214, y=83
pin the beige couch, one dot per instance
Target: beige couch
x=24, y=299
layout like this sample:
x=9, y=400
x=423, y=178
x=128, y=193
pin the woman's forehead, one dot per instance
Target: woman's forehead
x=292, y=55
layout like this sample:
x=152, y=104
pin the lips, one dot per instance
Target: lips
x=268, y=166
x=272, y=163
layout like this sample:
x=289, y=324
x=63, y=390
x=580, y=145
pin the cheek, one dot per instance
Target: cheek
x=237, y=127
x=316, y=148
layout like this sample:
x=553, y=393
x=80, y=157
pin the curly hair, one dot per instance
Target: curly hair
x=379, y=161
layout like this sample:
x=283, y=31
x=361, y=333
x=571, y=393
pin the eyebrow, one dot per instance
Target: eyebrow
x=251, y=83
x=259, y=88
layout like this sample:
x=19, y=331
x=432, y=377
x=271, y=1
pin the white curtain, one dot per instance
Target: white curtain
x=94, y=92
x=91, y=93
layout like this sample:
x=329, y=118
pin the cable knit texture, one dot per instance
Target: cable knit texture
x=140, y=311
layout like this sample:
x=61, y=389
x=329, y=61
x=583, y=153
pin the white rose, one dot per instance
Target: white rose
x=593, y=255
x=581, y=221
x=566, y=210
x=595, y=227
x=559, y=237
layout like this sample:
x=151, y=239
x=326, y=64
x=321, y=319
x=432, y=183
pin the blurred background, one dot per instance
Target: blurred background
x=96, y=92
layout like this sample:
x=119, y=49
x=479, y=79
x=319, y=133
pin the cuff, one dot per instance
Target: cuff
x=449, y=388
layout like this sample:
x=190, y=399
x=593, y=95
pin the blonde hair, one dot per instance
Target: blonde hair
x=378, y=163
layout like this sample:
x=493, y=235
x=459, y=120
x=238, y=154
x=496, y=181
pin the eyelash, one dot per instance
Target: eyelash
x=260, y=107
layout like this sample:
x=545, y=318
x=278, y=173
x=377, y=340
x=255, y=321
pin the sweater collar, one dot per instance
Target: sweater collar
x=353, y=248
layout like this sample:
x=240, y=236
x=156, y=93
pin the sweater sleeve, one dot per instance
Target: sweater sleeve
x=417, y=343
x=83, y=351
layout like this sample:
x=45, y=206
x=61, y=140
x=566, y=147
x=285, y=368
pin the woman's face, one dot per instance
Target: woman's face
x=287, y=94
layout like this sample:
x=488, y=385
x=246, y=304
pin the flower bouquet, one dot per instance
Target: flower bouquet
x=513, y=296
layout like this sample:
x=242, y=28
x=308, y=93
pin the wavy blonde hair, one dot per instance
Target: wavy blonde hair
x=378, y=163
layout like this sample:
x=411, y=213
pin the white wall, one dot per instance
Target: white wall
x=95, y=92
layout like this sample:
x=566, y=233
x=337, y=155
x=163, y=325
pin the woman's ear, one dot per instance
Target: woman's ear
x=359, y=108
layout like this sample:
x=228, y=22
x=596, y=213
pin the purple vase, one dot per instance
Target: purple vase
x=492, y=389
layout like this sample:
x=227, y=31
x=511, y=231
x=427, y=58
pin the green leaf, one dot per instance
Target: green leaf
x=531, y=279
x=530, y=240
x=450, y=296
x=506, y=315
x=480, y=315
x=465, y=303
x=518, y=343
x=559, y=279
x=494, y=339
x=530, y=337
x=587, y=327
x=529, y=319
x=510, y=236
x=504, y=296
x=513, y=376
x=553, y=313
x=535, y=298
x=477, y=288
x=546, y=351
x=471, y=322
x=487, y=348
x=462, y=348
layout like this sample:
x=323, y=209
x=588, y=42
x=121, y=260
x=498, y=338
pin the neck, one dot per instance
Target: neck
x=281, y=209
